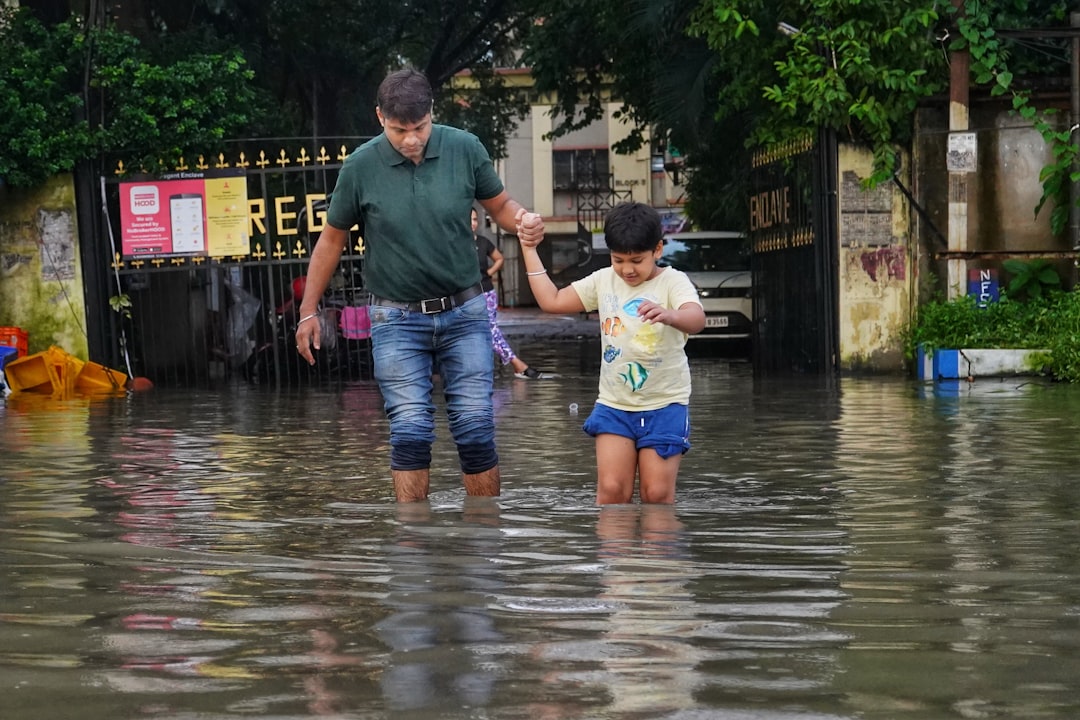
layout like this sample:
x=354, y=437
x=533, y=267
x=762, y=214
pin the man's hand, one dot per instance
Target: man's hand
x=308, y=336
x=530, y=228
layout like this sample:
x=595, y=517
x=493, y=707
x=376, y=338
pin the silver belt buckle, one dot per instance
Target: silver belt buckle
x=433, y=305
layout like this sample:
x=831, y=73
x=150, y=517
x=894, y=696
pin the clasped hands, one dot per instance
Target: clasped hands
x=530, y=228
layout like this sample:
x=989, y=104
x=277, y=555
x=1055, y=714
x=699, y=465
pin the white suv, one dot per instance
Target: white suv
x=718, y=263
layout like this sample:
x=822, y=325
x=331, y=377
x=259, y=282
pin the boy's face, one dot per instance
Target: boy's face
x=636, y=268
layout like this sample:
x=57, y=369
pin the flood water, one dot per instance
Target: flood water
x=874, y=549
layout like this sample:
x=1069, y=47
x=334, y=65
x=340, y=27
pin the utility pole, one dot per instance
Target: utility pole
x=1074, y=122
x=959, y=76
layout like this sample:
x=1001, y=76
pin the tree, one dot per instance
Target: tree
x=38, y=99
x=587, y=52
x=713, y=76
x=150, y=79
x=322, y=60
x=69, y=93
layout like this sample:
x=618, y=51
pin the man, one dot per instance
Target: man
x=411, y=189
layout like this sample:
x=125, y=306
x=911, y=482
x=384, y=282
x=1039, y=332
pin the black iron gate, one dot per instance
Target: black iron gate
x=594, y=201
x=794, y=262
x=196, y=320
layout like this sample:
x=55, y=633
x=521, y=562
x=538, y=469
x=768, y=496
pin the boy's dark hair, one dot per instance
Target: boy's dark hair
x=405, y=96
x=632, y=227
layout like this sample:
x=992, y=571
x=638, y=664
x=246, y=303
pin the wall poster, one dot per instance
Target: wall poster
x=185, y=213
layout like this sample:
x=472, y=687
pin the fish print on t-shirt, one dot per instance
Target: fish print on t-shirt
x=634, y=375
x=647, y=337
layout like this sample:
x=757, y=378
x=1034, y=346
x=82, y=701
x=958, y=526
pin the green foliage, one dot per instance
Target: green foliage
x=73, y=94
x=144, y=82
x=323, y=59
x=491, y=110
x=121, y=304
x=1050, y=321
x=39, y=100
x=857, y=68
x=587, y=52
x=713, y=76
x=1031, y=279
x=155, y=112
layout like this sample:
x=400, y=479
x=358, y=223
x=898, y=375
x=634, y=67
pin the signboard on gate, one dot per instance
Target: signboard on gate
x=185, y=213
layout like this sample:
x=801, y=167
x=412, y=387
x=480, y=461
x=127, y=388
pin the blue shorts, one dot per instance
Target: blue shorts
x=667, y=430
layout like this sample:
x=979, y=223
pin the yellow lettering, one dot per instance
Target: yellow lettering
x=770, y=208
x=316, y=219
x=257, y=216
x=282, y=216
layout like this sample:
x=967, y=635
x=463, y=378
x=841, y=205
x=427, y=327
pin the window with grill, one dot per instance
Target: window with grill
x=582, y=169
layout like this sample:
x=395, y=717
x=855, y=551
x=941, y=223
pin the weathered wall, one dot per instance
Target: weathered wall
x=875, y=269
x=41, y=282
x=1002, y=193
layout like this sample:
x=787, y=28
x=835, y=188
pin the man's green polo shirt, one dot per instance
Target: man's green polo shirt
x=415, y=218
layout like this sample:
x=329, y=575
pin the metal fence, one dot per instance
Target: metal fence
x=195, y=320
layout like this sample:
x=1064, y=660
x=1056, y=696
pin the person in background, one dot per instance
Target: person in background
x=411, y=189
x=491, y=260
x=641, y=419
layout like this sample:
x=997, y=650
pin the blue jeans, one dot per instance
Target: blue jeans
x=408, y=347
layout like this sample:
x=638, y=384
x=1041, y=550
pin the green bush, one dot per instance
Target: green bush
x=39, y=100
x=148, y=105
x=1050, y=321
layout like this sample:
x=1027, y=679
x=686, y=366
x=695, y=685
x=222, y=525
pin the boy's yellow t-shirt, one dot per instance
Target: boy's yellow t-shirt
x=643, y=365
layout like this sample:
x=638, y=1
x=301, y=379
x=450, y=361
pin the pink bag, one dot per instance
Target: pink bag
x=355, y=322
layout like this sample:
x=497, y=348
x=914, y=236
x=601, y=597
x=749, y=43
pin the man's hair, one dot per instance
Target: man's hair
x=405, y=96
x=632, y=227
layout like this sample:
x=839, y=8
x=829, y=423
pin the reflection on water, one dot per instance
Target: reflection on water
x=865, y=549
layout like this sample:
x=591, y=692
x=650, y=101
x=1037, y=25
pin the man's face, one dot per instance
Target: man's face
x=409, y=139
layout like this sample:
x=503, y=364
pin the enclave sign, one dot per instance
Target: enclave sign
x=770, y=208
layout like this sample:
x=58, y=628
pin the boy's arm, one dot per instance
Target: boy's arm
x=550, y=298
x=688, y=317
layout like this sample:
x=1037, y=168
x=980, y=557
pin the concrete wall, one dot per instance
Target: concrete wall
x=875, y=273
x=41, y=281
x=1002, y=193
x=632, y=172
x=516, y=168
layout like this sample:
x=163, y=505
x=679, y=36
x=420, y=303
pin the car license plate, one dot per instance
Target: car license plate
x=715, y=321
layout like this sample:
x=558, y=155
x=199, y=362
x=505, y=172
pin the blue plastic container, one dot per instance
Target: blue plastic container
x=7, y=353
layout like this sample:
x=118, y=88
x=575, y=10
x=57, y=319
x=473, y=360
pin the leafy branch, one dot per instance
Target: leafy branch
x=121, y=304
x=858, y=69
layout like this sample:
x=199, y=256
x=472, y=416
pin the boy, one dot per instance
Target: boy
x=641, y=421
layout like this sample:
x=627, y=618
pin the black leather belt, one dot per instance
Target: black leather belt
x=432, y=305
